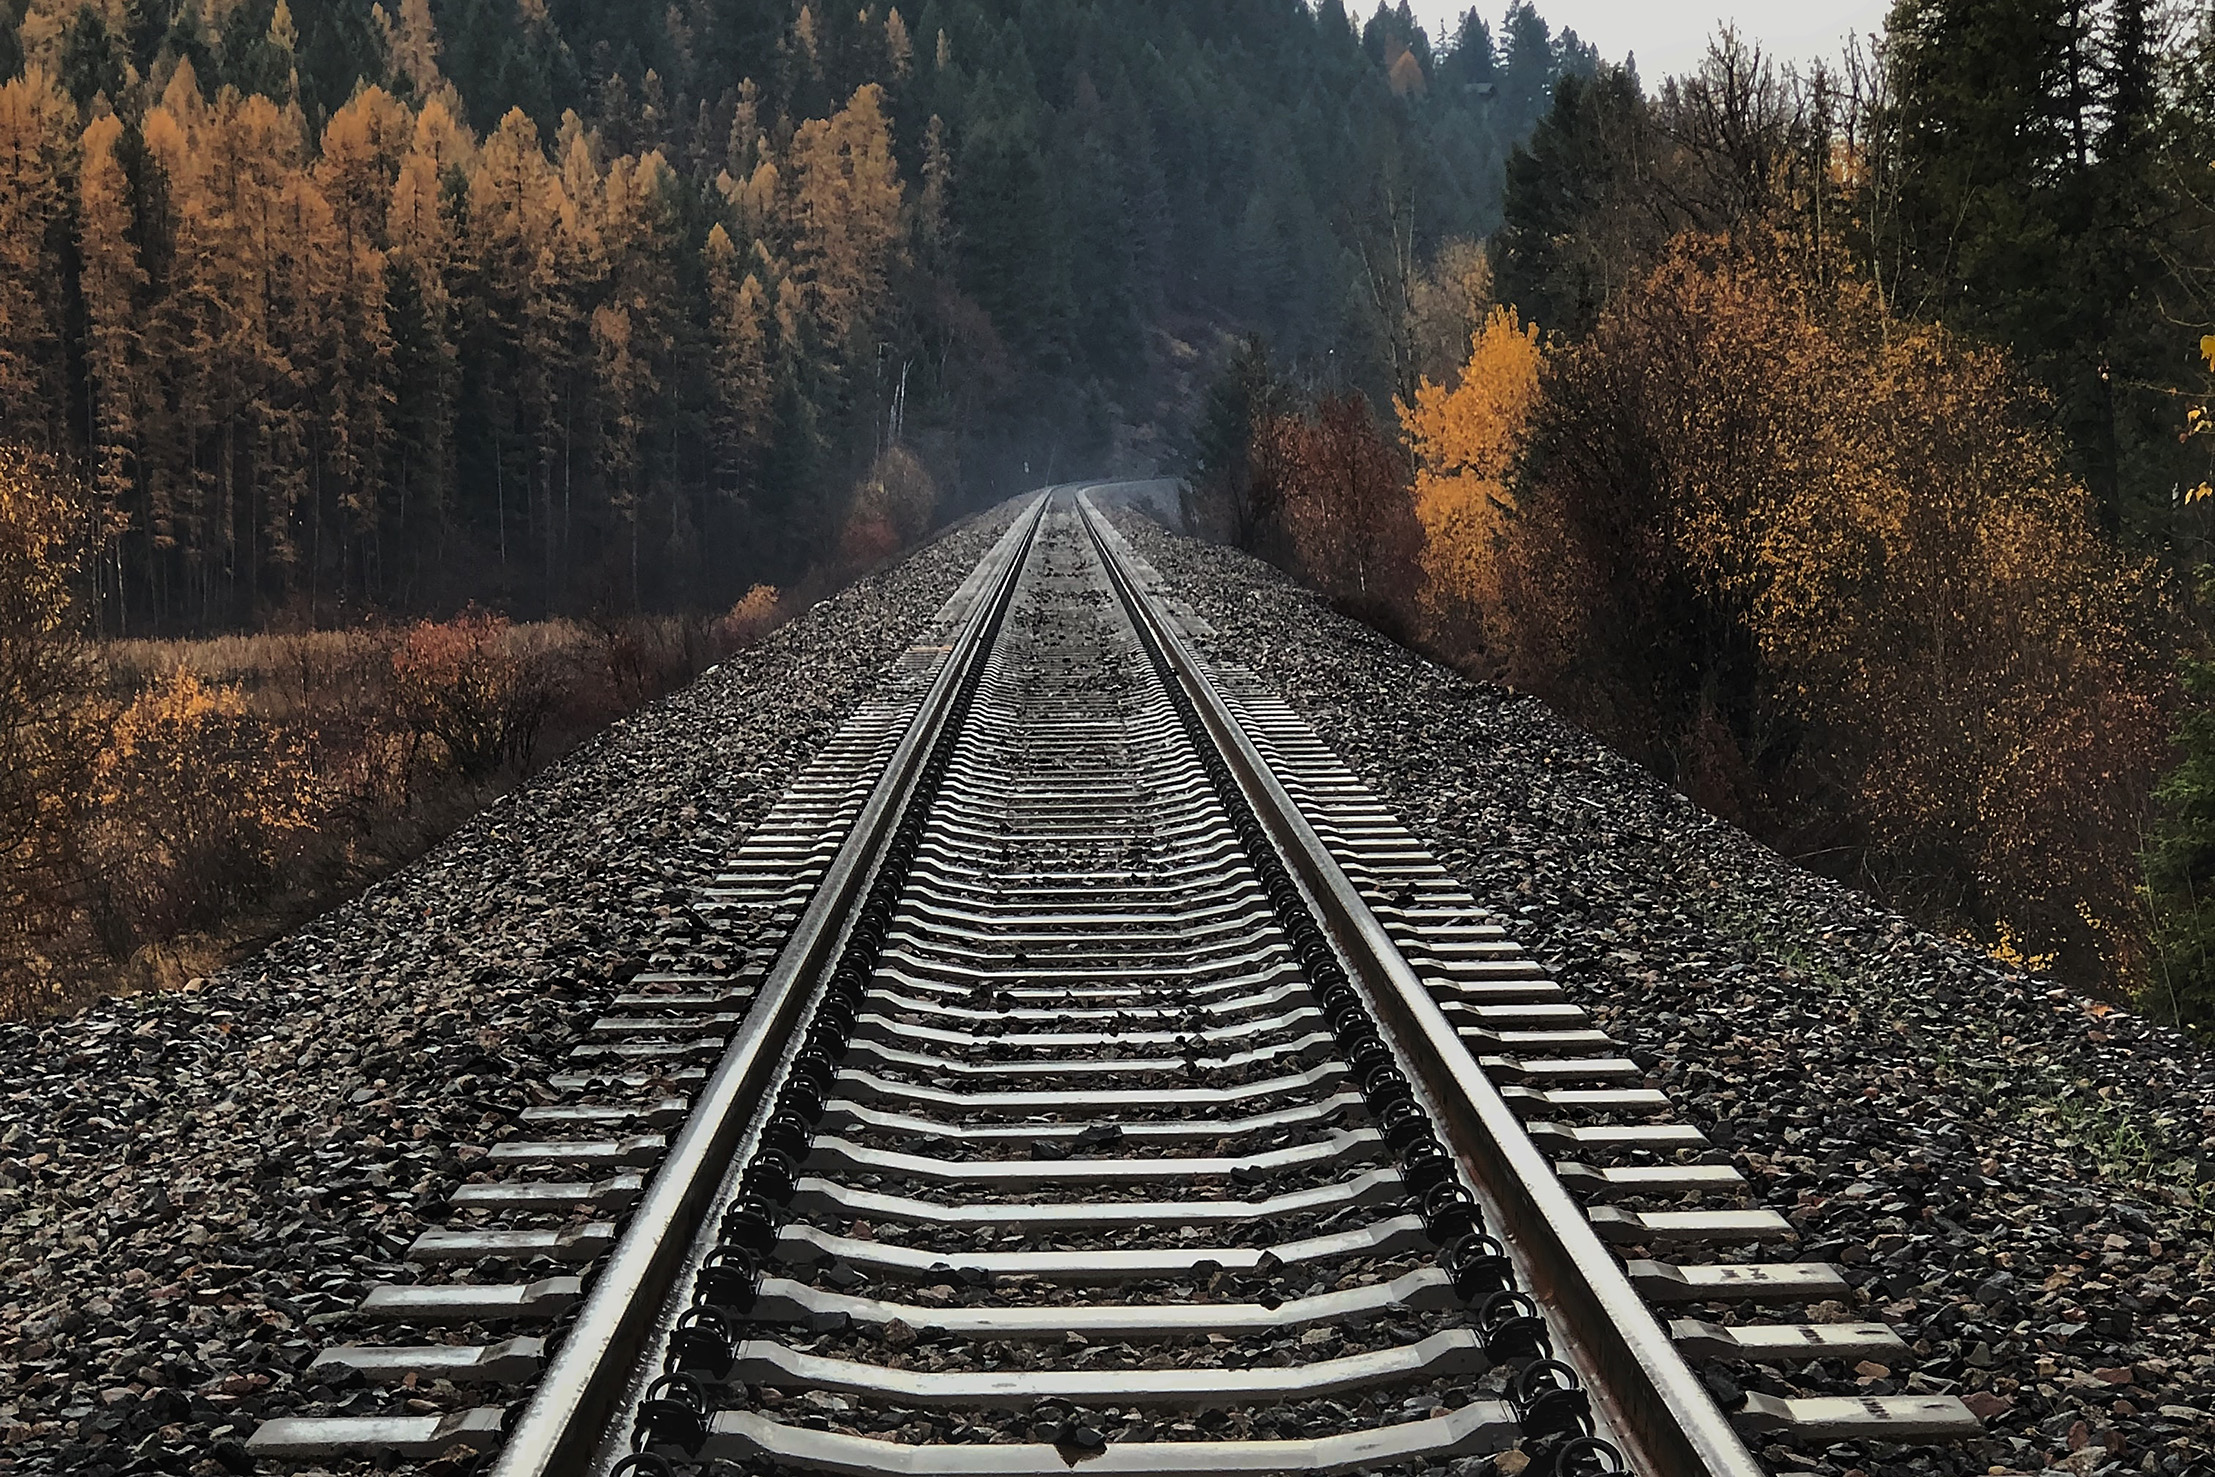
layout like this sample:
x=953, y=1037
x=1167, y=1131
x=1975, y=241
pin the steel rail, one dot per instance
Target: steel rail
x=1653, y=1405
x=569, y=1415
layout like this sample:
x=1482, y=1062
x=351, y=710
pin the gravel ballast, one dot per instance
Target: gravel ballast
x=194, y=1186
x=2020, y=1179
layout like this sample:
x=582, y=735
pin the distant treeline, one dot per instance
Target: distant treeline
x=564, y=305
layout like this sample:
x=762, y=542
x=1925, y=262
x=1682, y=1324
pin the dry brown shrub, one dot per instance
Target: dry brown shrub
x=892, y=508
x=215, y=790
x=48, y=721
x=613, y=669
x=1348, y=508
x=466, y=685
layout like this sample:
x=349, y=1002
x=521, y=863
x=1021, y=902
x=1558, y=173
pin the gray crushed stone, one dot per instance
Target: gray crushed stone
x=2019, y=1178
x=193, y=1184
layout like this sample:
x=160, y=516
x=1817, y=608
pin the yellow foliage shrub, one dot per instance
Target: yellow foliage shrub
x=1466, y=440
x=199, y=803
x=755, y=616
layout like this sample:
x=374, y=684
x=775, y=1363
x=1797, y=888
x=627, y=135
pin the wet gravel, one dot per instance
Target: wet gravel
x=193, y=1185
x=2020, y=1179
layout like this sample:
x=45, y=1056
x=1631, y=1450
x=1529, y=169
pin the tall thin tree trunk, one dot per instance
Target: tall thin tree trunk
x=315, y=547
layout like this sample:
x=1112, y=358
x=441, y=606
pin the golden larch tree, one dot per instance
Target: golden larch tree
x=363, y=146
x=899, y=47
x=848, y=200
x=412, y=42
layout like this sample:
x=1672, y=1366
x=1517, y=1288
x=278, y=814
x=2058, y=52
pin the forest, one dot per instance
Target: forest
x=339, y=307
x=391, y=393
x=1835, y=441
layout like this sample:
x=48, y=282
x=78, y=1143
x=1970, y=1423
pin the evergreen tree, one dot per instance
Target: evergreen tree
x=1583, y=216
x=2015, y=216
x=34, y=129
x=111, y=282
x=1527, y=66
x=1469, y=61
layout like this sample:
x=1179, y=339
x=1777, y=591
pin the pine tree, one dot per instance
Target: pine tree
x=423, y=239
x=933, y=224
x=1583, y=216
x=1527, y=68
x=631, y=335
x=1237, y=484
x=2180, y=867
x=515, y=202
x=1469, y=61
x=1013, y=260
x=744, y=383
x=2000, y=217
x=91, y=59
x=359, y=168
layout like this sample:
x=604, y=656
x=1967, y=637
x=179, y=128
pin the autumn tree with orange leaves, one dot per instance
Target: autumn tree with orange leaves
x=1466, y=440
x=1827, y=571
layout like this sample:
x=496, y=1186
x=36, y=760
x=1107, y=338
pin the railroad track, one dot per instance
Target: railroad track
x=1080, y=1068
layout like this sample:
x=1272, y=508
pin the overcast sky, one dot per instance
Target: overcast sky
x=1670, y=36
